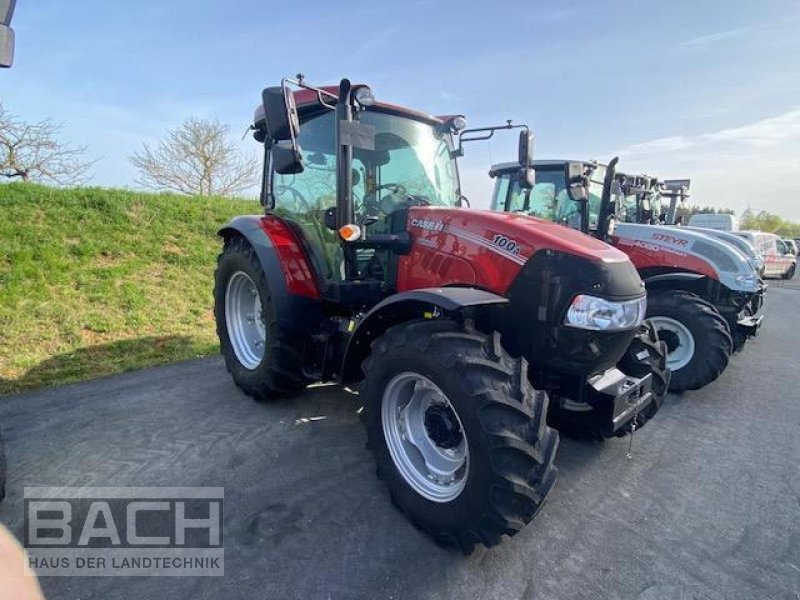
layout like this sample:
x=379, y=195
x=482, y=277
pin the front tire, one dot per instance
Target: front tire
x=790, y=273
x=458, y=433
x=698, y=339
x=264, y=360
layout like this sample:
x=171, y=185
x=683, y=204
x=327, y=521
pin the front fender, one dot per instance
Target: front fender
x=294, y=295
x=672, y=277
x=405, y=306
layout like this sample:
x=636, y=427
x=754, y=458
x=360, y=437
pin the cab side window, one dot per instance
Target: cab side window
x=500, y=193
x=303, y=198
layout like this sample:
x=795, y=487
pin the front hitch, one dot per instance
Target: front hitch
x=647, y=354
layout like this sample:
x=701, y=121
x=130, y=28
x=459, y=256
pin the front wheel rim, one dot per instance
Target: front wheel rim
x=244, y=320
x=679, y=339
x=425, y=437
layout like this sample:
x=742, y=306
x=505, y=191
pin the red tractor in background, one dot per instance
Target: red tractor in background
x=702, y=292
x=454, y=324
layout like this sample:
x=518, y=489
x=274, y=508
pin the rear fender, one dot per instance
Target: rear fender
x=728, y=302
x=295, y=297
x=425, y=303
x=695, y=283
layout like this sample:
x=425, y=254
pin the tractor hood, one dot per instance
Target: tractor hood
x=460, y=246
x=687, y=250
x=739, y=243
x=516, y=235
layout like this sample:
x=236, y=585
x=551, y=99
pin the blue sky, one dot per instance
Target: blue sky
x=707, y=90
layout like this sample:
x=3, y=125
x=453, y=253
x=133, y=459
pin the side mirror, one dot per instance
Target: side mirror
x=575, y=172
x=286, y=158
x=578, y=191
x=6, y=46
x=576, y=181
x=527, y=178
x=280, y=112
x=526, y=147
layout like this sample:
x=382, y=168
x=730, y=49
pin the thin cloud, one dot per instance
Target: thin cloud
x=704, y=41
x=736, y=167
x=377, y=41
x=772, y=131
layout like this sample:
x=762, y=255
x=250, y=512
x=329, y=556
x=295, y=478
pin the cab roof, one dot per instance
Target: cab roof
x=542, y=164
x=307, y=102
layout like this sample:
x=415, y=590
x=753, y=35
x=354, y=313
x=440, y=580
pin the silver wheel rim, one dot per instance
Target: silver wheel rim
x=681, y=354
x=425, y=437
x=244, y=320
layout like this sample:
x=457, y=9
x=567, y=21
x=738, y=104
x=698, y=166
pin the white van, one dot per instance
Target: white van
x=714, y=221
x=778, y=259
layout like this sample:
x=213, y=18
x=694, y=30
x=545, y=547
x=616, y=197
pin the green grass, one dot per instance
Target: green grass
x=98, y=281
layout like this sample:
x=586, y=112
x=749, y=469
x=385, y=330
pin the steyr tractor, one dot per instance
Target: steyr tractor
x=701, y=290
x=664, y=199
x=453, y=324
x=646, y=200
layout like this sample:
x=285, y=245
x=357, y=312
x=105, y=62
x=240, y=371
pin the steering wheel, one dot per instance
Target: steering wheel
x=388, y=204
x=297, y=198
x=374, y=207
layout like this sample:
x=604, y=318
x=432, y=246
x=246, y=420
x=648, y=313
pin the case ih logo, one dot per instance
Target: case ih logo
x=669, y=239
x=427, y=225
x=124, y=531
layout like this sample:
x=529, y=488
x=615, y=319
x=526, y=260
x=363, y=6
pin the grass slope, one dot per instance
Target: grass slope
x=98, y=281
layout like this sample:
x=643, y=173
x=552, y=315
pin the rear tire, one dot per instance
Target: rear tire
x=497, y=421
x=697, y=337
x=277, y=371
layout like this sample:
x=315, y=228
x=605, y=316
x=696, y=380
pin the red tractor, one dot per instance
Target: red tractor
x=702, y=291
x=454, y=324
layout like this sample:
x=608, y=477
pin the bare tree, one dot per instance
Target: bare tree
x=33, y=152
x=196, y=158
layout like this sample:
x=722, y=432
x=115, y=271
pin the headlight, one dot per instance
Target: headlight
x=590, y=312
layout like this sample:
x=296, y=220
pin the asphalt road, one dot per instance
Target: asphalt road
x=709, y=506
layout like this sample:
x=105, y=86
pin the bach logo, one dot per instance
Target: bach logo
x=124, y=531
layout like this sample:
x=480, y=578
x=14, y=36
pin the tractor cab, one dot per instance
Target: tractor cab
x=566, y=192
x=585, y=195
x=636, y=198
x=343, y=169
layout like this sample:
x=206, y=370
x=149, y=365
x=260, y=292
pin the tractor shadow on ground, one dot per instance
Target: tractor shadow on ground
x=92, y=362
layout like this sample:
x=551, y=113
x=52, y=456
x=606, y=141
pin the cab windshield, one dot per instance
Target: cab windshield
x=410, y=165
x=410, y=162
x=549, y=198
